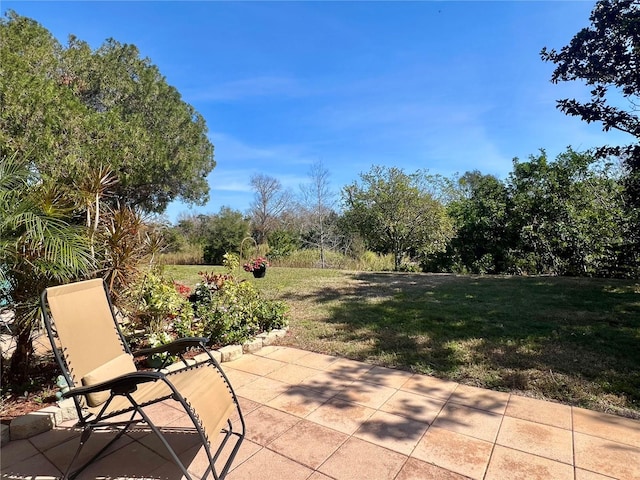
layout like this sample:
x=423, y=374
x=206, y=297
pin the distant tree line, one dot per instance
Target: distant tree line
x=567, y=216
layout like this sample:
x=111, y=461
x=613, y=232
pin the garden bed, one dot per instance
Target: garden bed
x=40, y=393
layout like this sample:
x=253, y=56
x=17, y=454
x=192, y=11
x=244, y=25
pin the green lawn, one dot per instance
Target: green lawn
x=574, y=340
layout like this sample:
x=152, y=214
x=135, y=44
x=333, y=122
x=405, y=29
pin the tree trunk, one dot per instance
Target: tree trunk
x=21, y=358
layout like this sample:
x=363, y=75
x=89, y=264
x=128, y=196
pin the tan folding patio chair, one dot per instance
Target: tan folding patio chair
x=99, y=367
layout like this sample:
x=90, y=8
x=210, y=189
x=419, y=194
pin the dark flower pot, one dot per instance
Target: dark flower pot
x=260, y=272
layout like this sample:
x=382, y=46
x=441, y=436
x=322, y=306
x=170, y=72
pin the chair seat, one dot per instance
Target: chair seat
x=203, y=388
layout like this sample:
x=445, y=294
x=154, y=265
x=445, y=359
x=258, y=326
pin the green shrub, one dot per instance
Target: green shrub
x=228, y=316
x=155, y=340
x=220, y=307
x=282, y=243
x=271, y=314
x=229, y=311
x=157, y=304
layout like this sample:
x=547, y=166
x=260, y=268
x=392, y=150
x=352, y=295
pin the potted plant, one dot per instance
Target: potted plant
x=258, y=266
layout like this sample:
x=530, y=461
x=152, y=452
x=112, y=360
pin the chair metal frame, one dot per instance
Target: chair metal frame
x=125, y=386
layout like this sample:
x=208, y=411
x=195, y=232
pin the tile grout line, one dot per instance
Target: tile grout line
x=495, y=441
x=301, y=419
x=573, y=446
x=351, y=435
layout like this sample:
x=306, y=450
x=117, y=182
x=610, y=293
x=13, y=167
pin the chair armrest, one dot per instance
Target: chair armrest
x=119, y=385
x=177, y=346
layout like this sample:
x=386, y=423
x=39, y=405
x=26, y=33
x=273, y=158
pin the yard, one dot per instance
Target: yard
x=573, y=340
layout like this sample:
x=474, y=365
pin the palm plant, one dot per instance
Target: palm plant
x=39, y=247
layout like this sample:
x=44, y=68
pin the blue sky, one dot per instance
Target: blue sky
x=443, y=86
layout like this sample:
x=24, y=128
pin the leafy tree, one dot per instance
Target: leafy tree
x=283, y=243
x=606, y=56
x=397, y=213
x=174, y=239
x=566, y=215
x=72, y=111
x=226, y=231
x=195, y=228
x=270, y=202
x=480, y=216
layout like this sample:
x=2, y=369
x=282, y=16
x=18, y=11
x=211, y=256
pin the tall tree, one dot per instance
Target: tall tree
x=606, y=56
x=480, y=216
x=318, y=200
x=269, y=203
x=397, y=213
x=71, y=110
x=567, y=215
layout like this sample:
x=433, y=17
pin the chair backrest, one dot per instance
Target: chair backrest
x=87, y=333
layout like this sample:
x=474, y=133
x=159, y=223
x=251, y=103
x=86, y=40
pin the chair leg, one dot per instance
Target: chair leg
x=86, y=433
x=171, y=451
x=83, y=439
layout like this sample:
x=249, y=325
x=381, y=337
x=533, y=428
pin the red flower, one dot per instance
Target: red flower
x=256, y=264
x=182, y=289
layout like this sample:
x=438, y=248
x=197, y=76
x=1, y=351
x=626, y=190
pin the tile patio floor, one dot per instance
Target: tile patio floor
x=316, y=417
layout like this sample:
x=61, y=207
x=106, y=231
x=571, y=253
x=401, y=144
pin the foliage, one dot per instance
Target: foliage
x=71, y=111
x=194, y=228
x=283, y=243
x=228, y=317
x=231, y=262
x=480, y=216
x=126, y=241
x=38, y=248
x=257, y=263
x=566, y=214
x=606, y=56
x=271, y=314
x=88, y=141
x=156, y=339
x=398, y=213
x=158, y=303
x=228, y=310
x=560, y=217
x=236, y=312
x=224, y=234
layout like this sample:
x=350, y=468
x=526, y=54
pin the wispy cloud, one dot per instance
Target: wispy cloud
x=237, y=161
x=246, y=88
